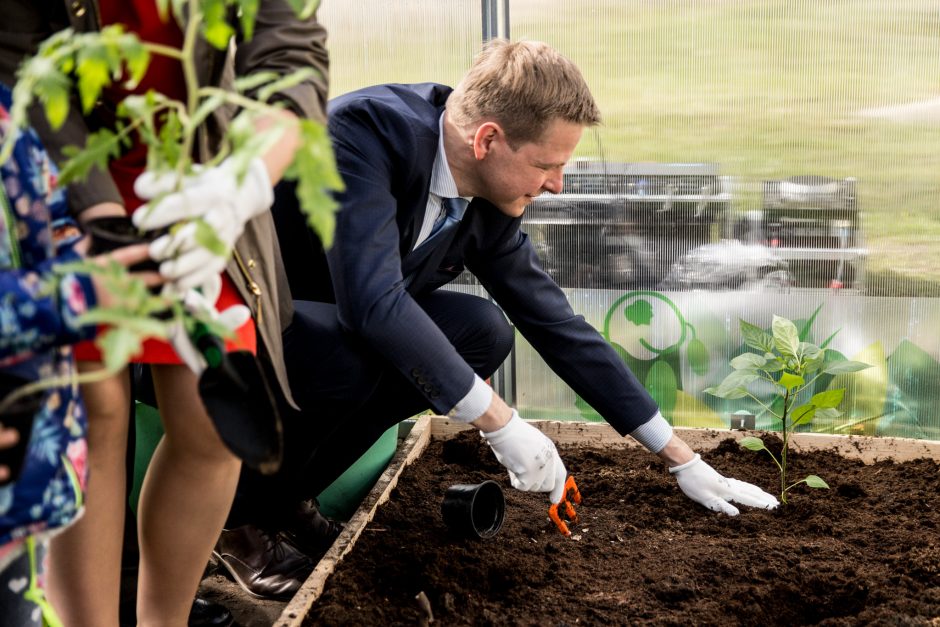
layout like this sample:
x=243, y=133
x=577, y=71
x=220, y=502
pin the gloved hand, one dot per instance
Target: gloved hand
x=702, y=483
x=203, y=302
x=212, y=194
x=530, y=456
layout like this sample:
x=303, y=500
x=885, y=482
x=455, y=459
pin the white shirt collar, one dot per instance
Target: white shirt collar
x=443, y=184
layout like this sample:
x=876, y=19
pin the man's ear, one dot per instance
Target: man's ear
x=486, y=136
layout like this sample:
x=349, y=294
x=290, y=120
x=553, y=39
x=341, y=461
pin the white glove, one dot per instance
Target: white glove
x=530, y=456
x=232, y=318
x=213, y=194
x=702, y=483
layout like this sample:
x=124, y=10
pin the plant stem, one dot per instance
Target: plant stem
x=52, y=382
x=160, y=49
x=192, y=83
x=238, y=99
x=783, y=451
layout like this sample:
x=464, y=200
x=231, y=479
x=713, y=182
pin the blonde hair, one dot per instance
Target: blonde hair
x=523, y=86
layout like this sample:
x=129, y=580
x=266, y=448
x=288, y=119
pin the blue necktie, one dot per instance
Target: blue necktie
x=441, y=234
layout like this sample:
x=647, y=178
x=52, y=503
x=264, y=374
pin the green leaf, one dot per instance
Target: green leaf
x=748, y=361
x=118, y=345
x=314, y=169
x=248, y=11
x=94, y=74
x=802, y=415
x=807, y=325
x=790, y=381
x=828, y=398
x=756, y=338
x=816, y=482
x=786, y=337
x=215, y=29
x=827, y=413
x=53, y=92
x=304, y=8
x=208, y=239
x=697, y=353
x=842, y=367
x=734, y=385
x=100, y=148
x=137, y=59
x=810, y=352
x=752, y=443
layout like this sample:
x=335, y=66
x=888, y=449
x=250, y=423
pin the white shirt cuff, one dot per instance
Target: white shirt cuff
x=654, y=434
x=474, y=404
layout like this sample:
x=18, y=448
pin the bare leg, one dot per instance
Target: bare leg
x=186, y=495
x=85, y=560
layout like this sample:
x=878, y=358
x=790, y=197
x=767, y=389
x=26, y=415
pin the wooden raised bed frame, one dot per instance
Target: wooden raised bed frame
x=600, y=435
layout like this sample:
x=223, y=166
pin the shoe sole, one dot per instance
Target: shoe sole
x=241, y=584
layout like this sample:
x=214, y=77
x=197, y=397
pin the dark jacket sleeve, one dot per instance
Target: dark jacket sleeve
x=510, y=271
x=283, y=43
x=375, y=149
x=28, y=23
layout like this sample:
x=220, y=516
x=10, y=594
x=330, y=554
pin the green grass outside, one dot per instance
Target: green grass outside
x=765, y=88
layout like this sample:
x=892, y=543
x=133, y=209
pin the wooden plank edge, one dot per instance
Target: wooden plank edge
x=868, y=449
x=296, y=610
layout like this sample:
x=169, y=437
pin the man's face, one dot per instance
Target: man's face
x=514, y=177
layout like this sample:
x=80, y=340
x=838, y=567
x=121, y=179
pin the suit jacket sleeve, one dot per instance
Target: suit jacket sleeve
x=509, y=269
x=375, y=151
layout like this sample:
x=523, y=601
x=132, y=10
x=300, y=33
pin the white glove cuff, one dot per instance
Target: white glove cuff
x=506, y=431
x=695, y=460
x=654, y=434
x=259, y=183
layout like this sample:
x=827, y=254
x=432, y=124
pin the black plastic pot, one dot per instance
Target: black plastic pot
x=115, y=232
x=474, y=510
x=240, y=403
x=20, y=417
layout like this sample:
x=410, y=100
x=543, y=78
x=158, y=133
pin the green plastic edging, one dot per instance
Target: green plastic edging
x=343, y=496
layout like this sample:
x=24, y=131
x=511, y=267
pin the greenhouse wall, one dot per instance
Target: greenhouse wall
x=757, y=158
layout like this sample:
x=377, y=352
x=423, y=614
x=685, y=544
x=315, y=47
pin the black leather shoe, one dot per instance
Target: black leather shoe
x=310, y=531
x=208, y=614
x=203, y=614
x=265, y=565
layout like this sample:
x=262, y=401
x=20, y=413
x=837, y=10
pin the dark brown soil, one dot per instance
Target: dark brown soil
x=866, y=552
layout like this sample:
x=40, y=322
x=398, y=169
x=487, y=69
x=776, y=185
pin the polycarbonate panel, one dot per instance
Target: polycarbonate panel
x=405, y=41
x=757, y=157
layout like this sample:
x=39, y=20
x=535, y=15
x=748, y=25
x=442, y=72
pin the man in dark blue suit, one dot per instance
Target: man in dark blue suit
x=436, y=183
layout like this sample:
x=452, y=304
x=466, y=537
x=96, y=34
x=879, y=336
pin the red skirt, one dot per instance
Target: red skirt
x=160, y=352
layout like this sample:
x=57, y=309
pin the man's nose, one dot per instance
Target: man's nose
x=554, y=183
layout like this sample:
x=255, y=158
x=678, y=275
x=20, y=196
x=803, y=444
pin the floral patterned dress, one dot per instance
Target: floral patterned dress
x=38, y=311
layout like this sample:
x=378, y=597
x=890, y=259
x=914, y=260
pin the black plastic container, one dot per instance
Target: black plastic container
x=113, y=232
x=474, y=510
x=20, y=417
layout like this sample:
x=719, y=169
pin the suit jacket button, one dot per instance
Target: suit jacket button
x=421, y=380
x=434, y=395
x=415, y=372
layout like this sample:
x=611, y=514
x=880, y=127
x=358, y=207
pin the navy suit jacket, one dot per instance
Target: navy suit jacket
x=385, y=139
